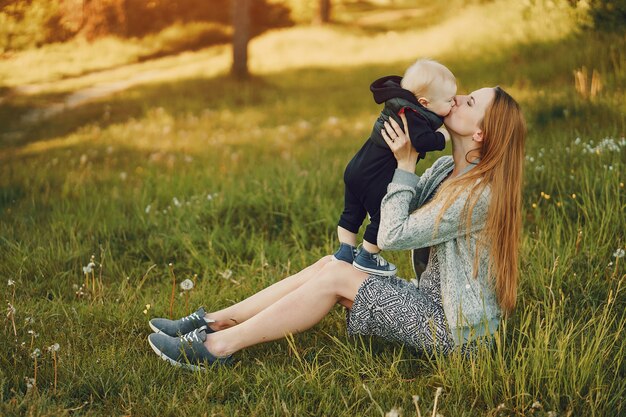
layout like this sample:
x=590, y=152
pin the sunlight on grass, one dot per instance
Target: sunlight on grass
x=239, y=184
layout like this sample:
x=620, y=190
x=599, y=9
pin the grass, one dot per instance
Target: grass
x=241, y=185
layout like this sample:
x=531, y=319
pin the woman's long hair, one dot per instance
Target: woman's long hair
x=500, y=168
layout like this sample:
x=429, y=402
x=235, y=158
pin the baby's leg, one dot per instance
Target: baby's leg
x=370, y=247
x=346, y=236
x=352, y=217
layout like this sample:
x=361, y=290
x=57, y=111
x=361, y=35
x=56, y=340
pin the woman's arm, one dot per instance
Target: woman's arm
x=400, y=230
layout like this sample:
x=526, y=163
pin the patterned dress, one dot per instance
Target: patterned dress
x=397, y=310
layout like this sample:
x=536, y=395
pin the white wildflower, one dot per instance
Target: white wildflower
x=394, y=412
x=54, y=348
x=36, y=353
x=10, y=282
x=33, y=333
x=226, y=274
x=176, y=202
x=30, y=382
x=619, y=253
x=148, y=207
x=89, y=268
x=29, y=320
x=186, y=285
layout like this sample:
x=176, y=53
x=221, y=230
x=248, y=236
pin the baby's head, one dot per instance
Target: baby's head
x=433, y=85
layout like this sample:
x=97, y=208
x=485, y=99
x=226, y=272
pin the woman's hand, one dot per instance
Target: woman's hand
x=400, y=144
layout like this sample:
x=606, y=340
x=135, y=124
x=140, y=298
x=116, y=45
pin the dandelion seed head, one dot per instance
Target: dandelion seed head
x=10, y=283
x=29, y=320
x=36, y=353
x=619, y=253
x=30, y=382
x=54, y=347
x=186, y=285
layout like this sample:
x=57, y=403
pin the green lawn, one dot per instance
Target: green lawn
x=241, y=185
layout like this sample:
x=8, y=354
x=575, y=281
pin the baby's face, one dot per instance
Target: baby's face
x=442, y=101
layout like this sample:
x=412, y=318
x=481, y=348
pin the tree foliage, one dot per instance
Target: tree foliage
x=30, y=23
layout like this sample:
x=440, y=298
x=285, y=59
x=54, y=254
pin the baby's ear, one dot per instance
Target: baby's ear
x=423, y=101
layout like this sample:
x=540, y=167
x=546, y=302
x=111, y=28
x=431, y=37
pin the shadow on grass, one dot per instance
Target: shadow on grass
x=543, y=70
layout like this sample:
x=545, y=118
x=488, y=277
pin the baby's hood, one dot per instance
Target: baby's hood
x=389, y=87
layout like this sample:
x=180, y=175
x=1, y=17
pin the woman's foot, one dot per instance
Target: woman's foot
x=181, y=326
x=186, y=351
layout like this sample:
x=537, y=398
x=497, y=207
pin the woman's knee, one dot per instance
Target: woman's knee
x=341, y=278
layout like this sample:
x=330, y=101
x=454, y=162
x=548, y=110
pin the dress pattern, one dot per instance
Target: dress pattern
x=398, y=310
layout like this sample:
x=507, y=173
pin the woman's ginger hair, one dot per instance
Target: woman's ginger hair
x=500, y=167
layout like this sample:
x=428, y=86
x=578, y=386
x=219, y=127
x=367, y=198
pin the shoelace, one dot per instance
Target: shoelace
x=191, y=316
x=380, y=261
x=190, y=337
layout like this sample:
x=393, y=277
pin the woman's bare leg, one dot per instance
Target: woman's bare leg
x=243, y=310
x=295, y=312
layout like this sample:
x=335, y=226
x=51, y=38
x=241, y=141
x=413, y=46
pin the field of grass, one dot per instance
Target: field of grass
x=239, y=184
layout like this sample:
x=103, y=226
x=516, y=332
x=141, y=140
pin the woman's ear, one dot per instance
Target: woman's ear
x=423, y=101
x=478, y=136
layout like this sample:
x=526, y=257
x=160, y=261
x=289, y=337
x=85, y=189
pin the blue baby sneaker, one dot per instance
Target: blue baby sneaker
x=373, y=263
x=345, y=253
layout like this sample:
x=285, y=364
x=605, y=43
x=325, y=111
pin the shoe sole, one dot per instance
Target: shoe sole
x=166, y=358
x=154, y=329
x=375, y=271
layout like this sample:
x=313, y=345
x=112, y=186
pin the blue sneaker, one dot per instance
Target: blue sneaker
x=187, y=351
x=373, y=263
x=345, y=253
x=181, y=326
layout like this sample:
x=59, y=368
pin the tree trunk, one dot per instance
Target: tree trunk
x=324, y=12
x=241, y=34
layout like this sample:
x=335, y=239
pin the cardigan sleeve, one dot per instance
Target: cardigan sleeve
x=402, y=229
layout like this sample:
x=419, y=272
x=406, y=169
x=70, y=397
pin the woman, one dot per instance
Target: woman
x=468, y=213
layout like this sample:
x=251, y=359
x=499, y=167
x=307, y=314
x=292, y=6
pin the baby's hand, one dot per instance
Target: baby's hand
x=444, y=132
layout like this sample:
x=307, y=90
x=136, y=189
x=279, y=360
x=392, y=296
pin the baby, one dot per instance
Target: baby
x=425, y=95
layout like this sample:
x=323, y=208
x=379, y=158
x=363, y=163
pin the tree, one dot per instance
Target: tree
x=241, y=34
x=323, y=15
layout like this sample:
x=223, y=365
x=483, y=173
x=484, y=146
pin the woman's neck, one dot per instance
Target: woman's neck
x=463, y=150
